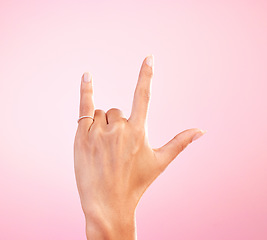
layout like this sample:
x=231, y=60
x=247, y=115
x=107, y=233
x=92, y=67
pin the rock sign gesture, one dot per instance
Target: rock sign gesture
x=113, y=161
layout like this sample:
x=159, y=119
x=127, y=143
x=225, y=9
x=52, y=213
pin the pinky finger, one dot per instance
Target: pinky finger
x=86, y=102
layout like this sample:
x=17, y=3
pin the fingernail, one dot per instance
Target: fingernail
x=198, y=135
x=150, y=60
x=87, y=77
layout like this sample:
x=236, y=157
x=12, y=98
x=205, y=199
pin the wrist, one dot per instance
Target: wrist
x=105, y=227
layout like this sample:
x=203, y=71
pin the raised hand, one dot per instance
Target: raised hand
x=114, y=163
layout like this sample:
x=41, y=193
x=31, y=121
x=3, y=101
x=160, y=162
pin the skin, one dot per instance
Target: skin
x=113, y=161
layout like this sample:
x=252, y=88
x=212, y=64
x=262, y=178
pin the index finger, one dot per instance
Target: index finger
x=142, y=92
x=86, y=102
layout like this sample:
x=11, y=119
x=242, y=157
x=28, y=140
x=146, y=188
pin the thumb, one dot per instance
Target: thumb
x=170, y=150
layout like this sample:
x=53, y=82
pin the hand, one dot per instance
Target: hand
x=114, y=163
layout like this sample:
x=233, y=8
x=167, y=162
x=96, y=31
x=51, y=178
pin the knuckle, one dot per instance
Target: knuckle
x=99, y=111
x=117, y=127
x=97, y=136
x=137, y=129
x=183, y=146
x=96, y=132
x=113, y=110
x=145, y=94
x=86, y=90
x=120, y=124
x=138, y=133
x=85, y=109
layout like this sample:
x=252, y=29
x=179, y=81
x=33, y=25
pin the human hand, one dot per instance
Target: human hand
x=114, y=163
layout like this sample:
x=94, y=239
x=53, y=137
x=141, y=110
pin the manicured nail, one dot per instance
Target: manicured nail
x=150, y=60
x=198, y=135
x=87, y=77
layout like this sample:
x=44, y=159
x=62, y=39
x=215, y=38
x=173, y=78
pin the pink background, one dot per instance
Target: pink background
x=210, y=72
